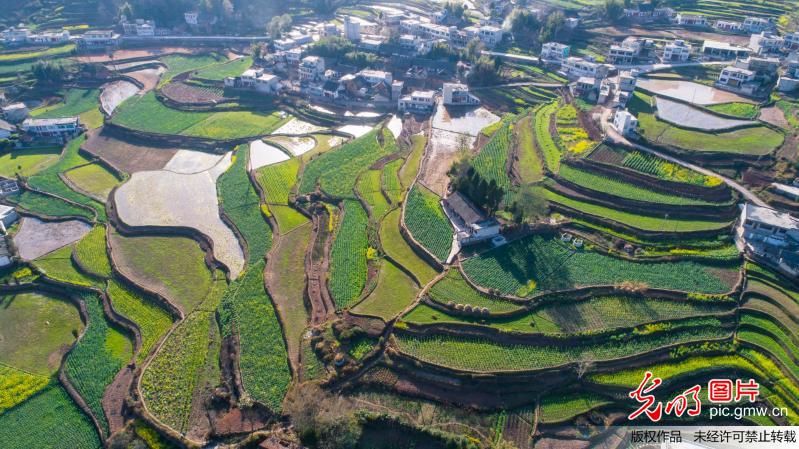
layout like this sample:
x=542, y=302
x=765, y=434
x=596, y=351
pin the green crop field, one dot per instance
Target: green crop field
x=481, y=355
x=529, y=165
x=16, y=386
x=241, y=204
x=247, y=310
x=27, y=162
x=556, y=408
x=27, y=343
x=348, y=256
x=543, y=138
x=169, y=382
x=641, y=222
x=49, y=420
x=552, y=265
x=277, y=180
x=655, y=166
x=58, y=265
x=48, y=180
x=94, y=179
x=615, y=186
x=389, y=180
x=427, y=222
x=337, y=171
x=492, y=162
x=146, y=113
x=153, y=321
x=566, y=316
x=742, y=110
x=218, y=72
x=453, y=287
x=172, y=264
x=48, y=205
x=177, y=64
x=90, y=251
x=287, y=218
x=75, y=102
x=408, y=171
x=97, y=357
x=394, y=292
x=397, y=248
x=11, y=58
x=369, y=189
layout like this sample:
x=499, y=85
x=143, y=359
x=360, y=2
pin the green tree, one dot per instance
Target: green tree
x=529, y=205
x=613, y=10
x=552, y=26
x=523, y=25
x=474, y=49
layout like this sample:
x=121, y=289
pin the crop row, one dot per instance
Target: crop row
x=453, y=287
x=92, y=254
x=492, y=162
x=389, y=179
x=556, y=407
x=369, y=189
x=152, y=319
x=348, y=256
x=617, y=187
x=553, y=265
x=277, y=180
x=17, y=385
x=47, y=205
x=97, y=357
x=337, y=171
x=546, y=144
x=241, y=204
x=653, y=165
x=58, y=265
x=427, y=222
x=247, y=310
x=482, y=355
x=49, y=420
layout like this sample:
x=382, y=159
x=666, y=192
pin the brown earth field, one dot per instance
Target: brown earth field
x=127, y=156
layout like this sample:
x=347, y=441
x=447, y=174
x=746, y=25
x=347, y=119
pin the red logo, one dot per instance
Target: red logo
x=720, y=391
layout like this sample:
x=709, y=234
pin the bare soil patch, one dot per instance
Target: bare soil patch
x=37, y=238
x=775, y=116
x=441, y=153
x=118, y=55
x=115, y=93
x=691, y=92
x=127, y=156
x=185, y=93
x=148, y=77
x=114, y=399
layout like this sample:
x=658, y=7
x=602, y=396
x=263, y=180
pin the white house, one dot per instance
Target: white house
x=790, y=79
x=471, y=225
x=8, y=216
x=6, y=129
x=691, y=20
x=729, y=26
x=554, y=52
x=677, y=51
x=791, y=41
x=422, y=101
x=735, y=76
x=627, y=82
x=311, y=68
x=52, y=38
x=268, y=84
x=770, y=235
x=620, y=54
x=577, y=67
x=376, y=76
x=138, y=27
x=63, y=128
x=98, y=39
x=757, y=24
x=624, y=122
x=191, y=17
x=723, y=50
x=455, y=94
x=16, y=35
x=765, y=42
x=489, y=35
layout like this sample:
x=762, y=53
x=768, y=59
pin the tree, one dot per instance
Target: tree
x=48, y=72
x=484, y=72
x=278, y=25
x=552, y=26
x=474, y=49
x=455, y=10
x=613, y=10
x=529, y=205
x=523, y=25
x=126, y=10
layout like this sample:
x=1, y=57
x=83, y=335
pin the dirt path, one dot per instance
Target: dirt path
x=114, y=398
x=316, y=265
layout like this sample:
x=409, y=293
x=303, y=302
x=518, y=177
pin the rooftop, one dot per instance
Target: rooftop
x=50, y=121
x=464, y=208
x=770, y=216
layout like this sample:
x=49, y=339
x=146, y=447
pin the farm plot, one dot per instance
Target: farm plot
x=36, y=238
x=187, y=162
x=92, y=254
x=443, y=150
x=453, y=288
x=247, y=310
x=285, y=280
x=563, y=316
x=287, y=218
x=171, y=266
x=164, y=198
x=397, y=248
x=218, y=72
x=16, y=386
x=48, y=180
x=529, y=164
x=277, y=180
x=617, y=187
x=58, y=265
x=543, y=138
x=177, y=64
x=146, y=113
x=295, y=145
x=394, y=292
x=492, y=162
x=555, y=408
x=426, y=221
x=153, y=321
x=241, y=204
x=36, y=331
x=75, y=102
x=8, y=58
x=552, y=265
x=170, y=379
x=660, y=168
x=486, y=356
x=126, y=156
x=93, y=179
x=348, y=256
x=115, y=93
x=97, y=357
x=181, y=92
x=571, y=136
x=297, y=127
x=369, y=189
x=689, y=91
x=681, y=114
x=337, y=171
x=263, y=154
x=27, y=162
x=645, y=223
x=49, y=420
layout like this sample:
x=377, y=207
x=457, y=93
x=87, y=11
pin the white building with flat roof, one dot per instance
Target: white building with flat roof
x=420, y=101
x=52, y=127
x=624, y=122
x=765, y=42
x=677, y=51
x=554, y=52
x=578, y=67
x=455, y=94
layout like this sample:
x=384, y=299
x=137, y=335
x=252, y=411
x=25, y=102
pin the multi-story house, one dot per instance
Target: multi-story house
x=677, y=51
x=554, y=52
x=765, y=42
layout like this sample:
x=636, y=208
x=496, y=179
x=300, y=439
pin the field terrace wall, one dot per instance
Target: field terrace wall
x=718, y=193
x=581, y=193
x=24, y=212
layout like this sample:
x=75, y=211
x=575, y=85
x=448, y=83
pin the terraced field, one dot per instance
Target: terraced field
x=427, y=222
x=348, y=256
